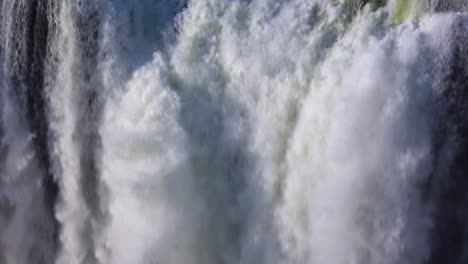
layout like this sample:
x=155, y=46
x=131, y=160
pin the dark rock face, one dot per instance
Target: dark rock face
x=24, y=48
x=35, y=95
x=374, y=3
x=450, y=186
x=25, y=73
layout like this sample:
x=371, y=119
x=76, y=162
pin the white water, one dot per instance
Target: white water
x=333, y=168
x=242, y=132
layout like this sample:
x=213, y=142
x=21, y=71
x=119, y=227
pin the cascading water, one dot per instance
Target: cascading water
x=210, y=131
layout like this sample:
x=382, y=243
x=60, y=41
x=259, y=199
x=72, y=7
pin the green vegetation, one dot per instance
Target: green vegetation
x=408, y=9
x=402, y=9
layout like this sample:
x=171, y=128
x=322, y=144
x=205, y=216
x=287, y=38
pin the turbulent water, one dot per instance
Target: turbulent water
x=237, y=132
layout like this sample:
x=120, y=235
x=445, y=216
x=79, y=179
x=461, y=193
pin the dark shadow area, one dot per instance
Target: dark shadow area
x=449, y=184
x=87, y=86
x=451, y=5
x=25, y=62
x=221, y=164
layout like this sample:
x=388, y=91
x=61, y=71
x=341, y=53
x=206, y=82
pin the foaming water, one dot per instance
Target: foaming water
x=212, y=131
x=292, y=136
x=363, y=168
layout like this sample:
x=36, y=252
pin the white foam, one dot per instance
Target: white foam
x=264, y=132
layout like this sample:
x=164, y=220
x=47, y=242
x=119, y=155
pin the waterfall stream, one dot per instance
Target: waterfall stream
x=236, y=132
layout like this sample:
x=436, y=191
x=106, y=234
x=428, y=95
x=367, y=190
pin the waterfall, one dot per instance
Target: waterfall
x=237, y=132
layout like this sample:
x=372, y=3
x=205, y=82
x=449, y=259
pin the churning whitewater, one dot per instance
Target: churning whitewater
x=234, y=132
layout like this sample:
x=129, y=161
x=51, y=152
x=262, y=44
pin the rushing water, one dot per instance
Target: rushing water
x=213, y=131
